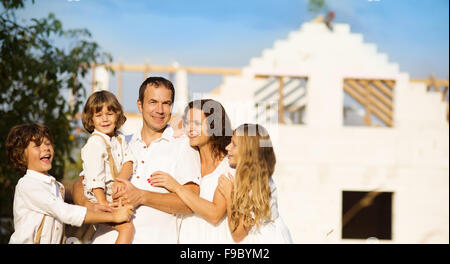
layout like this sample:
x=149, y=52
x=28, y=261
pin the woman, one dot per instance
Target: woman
x=251, y=195
x=209, y=131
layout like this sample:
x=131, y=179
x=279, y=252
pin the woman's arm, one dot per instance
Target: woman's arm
x=169, y=202
x=213, y=211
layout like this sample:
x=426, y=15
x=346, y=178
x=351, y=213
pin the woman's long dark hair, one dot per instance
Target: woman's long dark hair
x=219, y=128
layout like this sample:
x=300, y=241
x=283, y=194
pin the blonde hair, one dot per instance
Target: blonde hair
x=95, y=104
x=251, y=192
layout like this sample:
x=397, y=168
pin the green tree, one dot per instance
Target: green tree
x=35, y=74
x=317, y=6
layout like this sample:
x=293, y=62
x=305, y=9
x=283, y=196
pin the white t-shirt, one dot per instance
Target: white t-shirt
x=195, y=229
x=37, y=195
x=173, y=156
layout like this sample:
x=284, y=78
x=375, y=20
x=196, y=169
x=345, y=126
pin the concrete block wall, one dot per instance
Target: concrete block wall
x=319, y=160
x=314, y=167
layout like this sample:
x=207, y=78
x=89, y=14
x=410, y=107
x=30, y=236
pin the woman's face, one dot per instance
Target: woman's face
x=196, y=128
x=233, y=154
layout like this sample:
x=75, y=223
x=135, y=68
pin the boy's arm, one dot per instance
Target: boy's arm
x=99, y=194
x=122, y=214
x=129, y=161
x=41, y=200
x=126, y=171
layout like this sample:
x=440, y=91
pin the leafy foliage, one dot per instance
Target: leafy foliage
x=35, y=74
x=317, y=6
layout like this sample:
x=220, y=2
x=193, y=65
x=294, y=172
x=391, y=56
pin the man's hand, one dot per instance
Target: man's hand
x=129, y=195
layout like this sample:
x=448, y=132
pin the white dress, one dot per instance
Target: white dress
x=196, y=230
x=275, y=232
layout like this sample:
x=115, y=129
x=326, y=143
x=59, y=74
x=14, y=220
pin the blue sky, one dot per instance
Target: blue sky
x=414, y=33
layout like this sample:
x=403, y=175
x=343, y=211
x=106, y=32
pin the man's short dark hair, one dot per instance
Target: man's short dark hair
x=156, y=82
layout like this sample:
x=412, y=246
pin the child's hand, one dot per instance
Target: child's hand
x=123, y=213
x=162, y=179
x=225, y=185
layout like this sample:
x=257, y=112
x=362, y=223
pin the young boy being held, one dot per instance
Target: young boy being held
x=106, y=155
x=39, y=208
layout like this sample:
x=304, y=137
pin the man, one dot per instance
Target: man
x=155, y=149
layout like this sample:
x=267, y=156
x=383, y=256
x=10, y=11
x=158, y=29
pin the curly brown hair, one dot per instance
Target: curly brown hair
x=19, y=137
x=219, y=129
x=95, y=104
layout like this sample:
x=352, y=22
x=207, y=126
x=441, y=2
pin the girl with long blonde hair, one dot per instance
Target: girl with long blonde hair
x=251, y=195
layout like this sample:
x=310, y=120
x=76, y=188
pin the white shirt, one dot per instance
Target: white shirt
x=37, y=195
x=167, y=154
x=96, y=169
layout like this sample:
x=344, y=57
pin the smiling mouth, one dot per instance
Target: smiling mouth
x=192, y=137
x=46, y=158
x=159, y=119
x=193, y=134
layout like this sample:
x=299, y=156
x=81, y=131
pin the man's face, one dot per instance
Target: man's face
x=156, y=107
